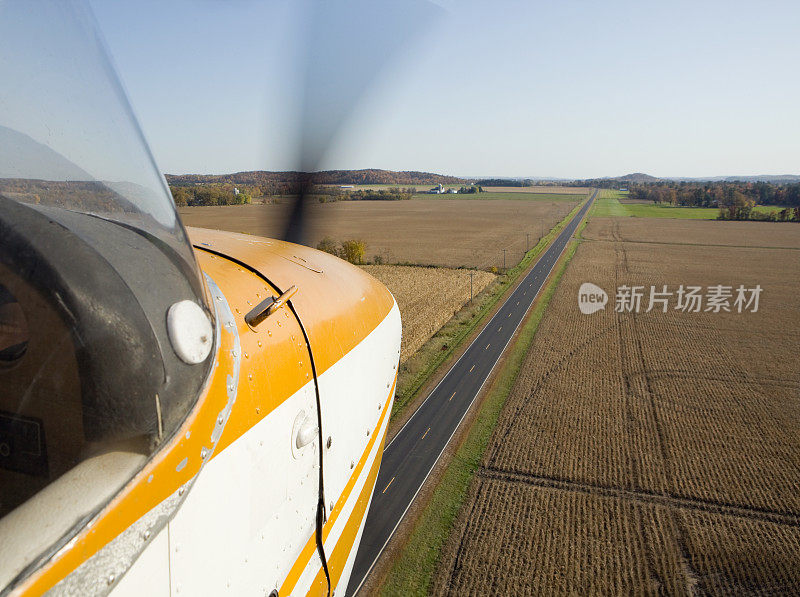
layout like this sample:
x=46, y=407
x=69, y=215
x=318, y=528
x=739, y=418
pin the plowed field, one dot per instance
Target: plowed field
x=648, y=453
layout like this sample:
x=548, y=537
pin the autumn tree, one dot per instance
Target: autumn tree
x=353, y=251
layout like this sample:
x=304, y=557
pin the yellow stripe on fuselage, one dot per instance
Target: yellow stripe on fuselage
x=359, y=511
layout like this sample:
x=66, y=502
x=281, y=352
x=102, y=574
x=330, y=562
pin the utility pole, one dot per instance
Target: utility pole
x=470, y=287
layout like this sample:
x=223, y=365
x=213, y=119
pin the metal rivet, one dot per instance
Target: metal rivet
x=329, y=442
x=352, y=464
x=247, y=356
x=111, y=578
x=180, y=492
x=331, y=505
x=203, y=453
x=367, y=432
x=146, y=535
x=250, y=376
x=220, y=420
x=258, y=410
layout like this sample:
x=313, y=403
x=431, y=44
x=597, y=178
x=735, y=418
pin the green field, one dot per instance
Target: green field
x=608, y=206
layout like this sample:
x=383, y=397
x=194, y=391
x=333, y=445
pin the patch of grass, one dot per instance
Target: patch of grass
x=609, y=206
x=766, y=209
x=412, y=572
x=639, y=210
x=419, y=368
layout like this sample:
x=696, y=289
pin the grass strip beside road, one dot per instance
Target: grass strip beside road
x=417, y=370
x=412, y=572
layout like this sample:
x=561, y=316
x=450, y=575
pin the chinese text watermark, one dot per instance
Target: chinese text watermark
x=687, y=299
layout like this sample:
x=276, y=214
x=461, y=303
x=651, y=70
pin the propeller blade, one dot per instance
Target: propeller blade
x=350, y=44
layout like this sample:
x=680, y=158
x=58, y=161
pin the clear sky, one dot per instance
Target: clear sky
x=568, y=88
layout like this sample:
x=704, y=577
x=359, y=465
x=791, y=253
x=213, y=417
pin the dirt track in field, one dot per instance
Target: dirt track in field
x=648, y=453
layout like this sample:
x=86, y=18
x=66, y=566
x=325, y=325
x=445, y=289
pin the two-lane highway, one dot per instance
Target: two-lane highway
x=414, y=451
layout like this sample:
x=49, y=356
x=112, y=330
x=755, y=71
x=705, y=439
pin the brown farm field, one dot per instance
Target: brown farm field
x=541, y=189
x=649, y=453
x=450, y=233
x=427, y=298
x=687, y=232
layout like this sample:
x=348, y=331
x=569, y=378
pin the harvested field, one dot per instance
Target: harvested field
x=728, y=233
x=427, y=297
x=450, y=233
x=507, y=196
x=647, y=453
x=541, y=189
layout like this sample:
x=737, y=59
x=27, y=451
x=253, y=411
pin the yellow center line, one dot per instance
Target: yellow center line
x=387, y=487
x=451, y=397
x=423, y=437
x=500, y=329
x=509, y=314
x=471, y=368
x=487, y=346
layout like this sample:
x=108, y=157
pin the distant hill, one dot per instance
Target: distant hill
x=772, y=178
x=638, y=177
x=268, y=178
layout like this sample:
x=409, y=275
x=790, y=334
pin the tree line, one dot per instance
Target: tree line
x=735, y=200
x=291, y=183
x=330, y=194
x=511, y=182
x=208, y=195
x=717, y=194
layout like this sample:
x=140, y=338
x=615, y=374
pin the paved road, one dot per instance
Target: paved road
x=412, y=454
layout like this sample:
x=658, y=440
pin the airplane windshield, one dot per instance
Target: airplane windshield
x=93, y=258
x=68, y=137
